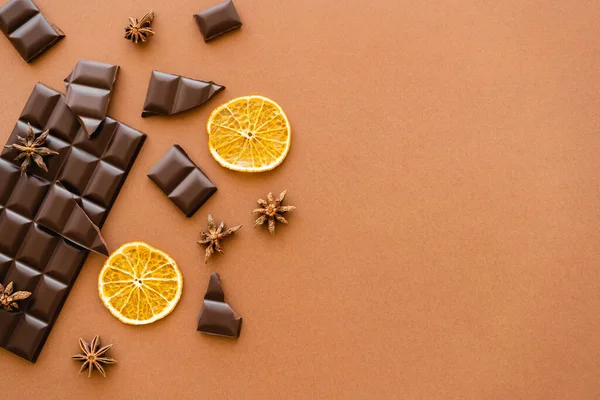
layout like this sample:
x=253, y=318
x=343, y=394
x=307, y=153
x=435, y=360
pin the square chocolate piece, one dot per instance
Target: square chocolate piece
x=217, y=20
x=182, y=181
x=27, y=29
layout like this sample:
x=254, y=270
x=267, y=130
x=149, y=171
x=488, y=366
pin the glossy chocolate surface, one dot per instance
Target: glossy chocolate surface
x=182, y=181
x=89, y=89
x=170, y=94
x=33, y=209
x=217, y=317
x=215, y=21
x=27, y=29
x=61, y=214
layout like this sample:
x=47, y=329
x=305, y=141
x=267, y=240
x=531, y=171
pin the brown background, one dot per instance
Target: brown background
x=445, y=167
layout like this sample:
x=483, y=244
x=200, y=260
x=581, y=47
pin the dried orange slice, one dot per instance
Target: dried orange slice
x=249, y=134
x=140, y=284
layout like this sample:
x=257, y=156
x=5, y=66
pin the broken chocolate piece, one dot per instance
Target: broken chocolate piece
x=217, y=20
x=37, y=259
x=182, y=181
x=27, y=29
x=89, y=88
x=217, y=317
x=170, y=94
x=61, y=214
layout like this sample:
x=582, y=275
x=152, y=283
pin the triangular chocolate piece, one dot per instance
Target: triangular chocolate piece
x=61, y=214
x=170, y=94
x=217, y=317
x=215, y=290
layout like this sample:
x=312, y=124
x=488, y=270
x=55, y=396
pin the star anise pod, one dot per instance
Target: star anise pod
x=8, y=299
x=93, y=356
x=139, y=30
x=271, y=211
x=212, y=238
x=31, y=149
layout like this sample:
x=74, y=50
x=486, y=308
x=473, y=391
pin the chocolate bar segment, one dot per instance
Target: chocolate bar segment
x=170, y=94
x=182, y=181
x=61, y=214
x=27, y=29
x=217, y=20
x=89, y=89
x=32, y=253
x=217, y=317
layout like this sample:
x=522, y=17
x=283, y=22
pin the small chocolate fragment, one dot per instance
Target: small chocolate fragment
x=89, y=88
x=37, y=259
x=217, y=20
x=182, y=181
x=217, y=317
x=27, y=29
x=61, y=214
x=170, y=94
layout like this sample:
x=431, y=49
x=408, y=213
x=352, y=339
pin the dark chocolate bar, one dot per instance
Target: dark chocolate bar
x=217, y=20
x=217, y=317
x=89, y=88
x=36, y=258
x=182, y=181
x=170, y=94
x=27, y=29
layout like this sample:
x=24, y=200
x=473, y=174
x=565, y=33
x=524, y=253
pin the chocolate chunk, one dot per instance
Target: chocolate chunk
x=36, y=258
x=89, y=88
x=171, y=94
x=217, y=20
x=217, y=317
x=27, y=29
x=182, y=181
x=61, y=214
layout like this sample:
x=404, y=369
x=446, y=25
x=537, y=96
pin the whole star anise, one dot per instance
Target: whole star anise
x=8, y=299
x=212, y=238
x=139, y=30
x=93, y=356
x=31, y=149
x=271, y=211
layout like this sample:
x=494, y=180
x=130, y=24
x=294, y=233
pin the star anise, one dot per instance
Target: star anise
x=8, y=299
x=139, y=30
x=93, y=356
x=271, y=211
x=212, y=238
x=31, y=149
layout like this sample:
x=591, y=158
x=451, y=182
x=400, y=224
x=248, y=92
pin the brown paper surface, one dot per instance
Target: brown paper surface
x=445, y=168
